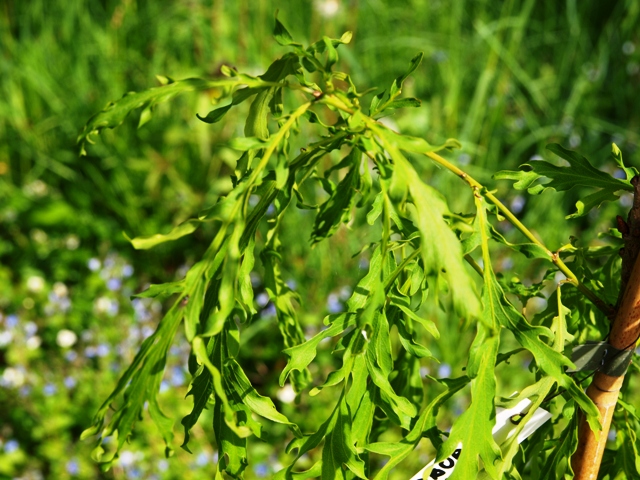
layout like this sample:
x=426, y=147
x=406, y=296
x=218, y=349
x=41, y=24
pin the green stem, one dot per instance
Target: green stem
x=554, y=257
x=474, y=264
x=400, y=268
x=335, y=102
x=275, y=141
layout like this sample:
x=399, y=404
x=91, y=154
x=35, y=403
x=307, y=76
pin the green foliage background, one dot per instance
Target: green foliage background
x=505, y=78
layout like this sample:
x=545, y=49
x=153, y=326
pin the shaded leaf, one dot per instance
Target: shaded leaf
x=338, y=448
x=396, y=86
x=282, y=35
x=424, y=426
x=162, y=290
x=216, y=115
x=579, y=173
x=116, y=112
x=337, y=209
x=145, y=243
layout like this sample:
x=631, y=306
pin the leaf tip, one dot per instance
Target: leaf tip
x=346, y=37
x=615, y=150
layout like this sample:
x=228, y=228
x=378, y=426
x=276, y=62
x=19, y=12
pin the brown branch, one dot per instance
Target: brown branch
x=630, y=231
x=605, y=389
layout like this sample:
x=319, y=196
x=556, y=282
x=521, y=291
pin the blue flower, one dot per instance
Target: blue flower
x=127, y=271
x=261, y=470
x=49, y=389
x=203, y=459
x=103, y=350
x=72, y=467
x=25, y=390
x=345, y=292
x=30, y=329
x=141, y=312
x=517, y=204
x=177, y=377
x=70, y=382
x=11, y=321
x=254, y=200
x=334, y=305
x=262, y=299
x=11, y=446
x=255, y=279
x=464, y=159
x=94, y=264
x=146, y=332
x=71, y=355
x=269, y=312
x=114, y=284
x=444, y=370
x=271, y=210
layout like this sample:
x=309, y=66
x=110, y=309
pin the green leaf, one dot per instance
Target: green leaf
x=380, y=365
x=115, y=113
x=594, y=200
x=558, y=462
x=145, y=243
x=413, y=144
x=332, y=54
x=282, y=35
x=510, y=448
x=410, y=102
x=376, y=101
x=424, y=426
x=529, y=250
x=337, y=209
x=201, y=389
x=409, y=343
x=216, y=115
x=310, y=442
x=396, y=86
x=284, y=66
x=232, y=448
x=473, y=427
x=211, y=357
x=580, y=173
x=302, y=355
x=283, y=297
x=229, y=259
x=162, y=290
x=139, y=384
x=429, y=325
x=498, y=311
x=258, y=404
x=256, y=123
x=360, y=402
x=440, y=248
x=630, y=172
x=338, y=448
x=245, y=287
x=248, y=143
x=195, y=283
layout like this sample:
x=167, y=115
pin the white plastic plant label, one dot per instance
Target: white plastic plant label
x=504, y=429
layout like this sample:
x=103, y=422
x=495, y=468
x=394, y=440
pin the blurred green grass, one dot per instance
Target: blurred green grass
x=503, y=77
